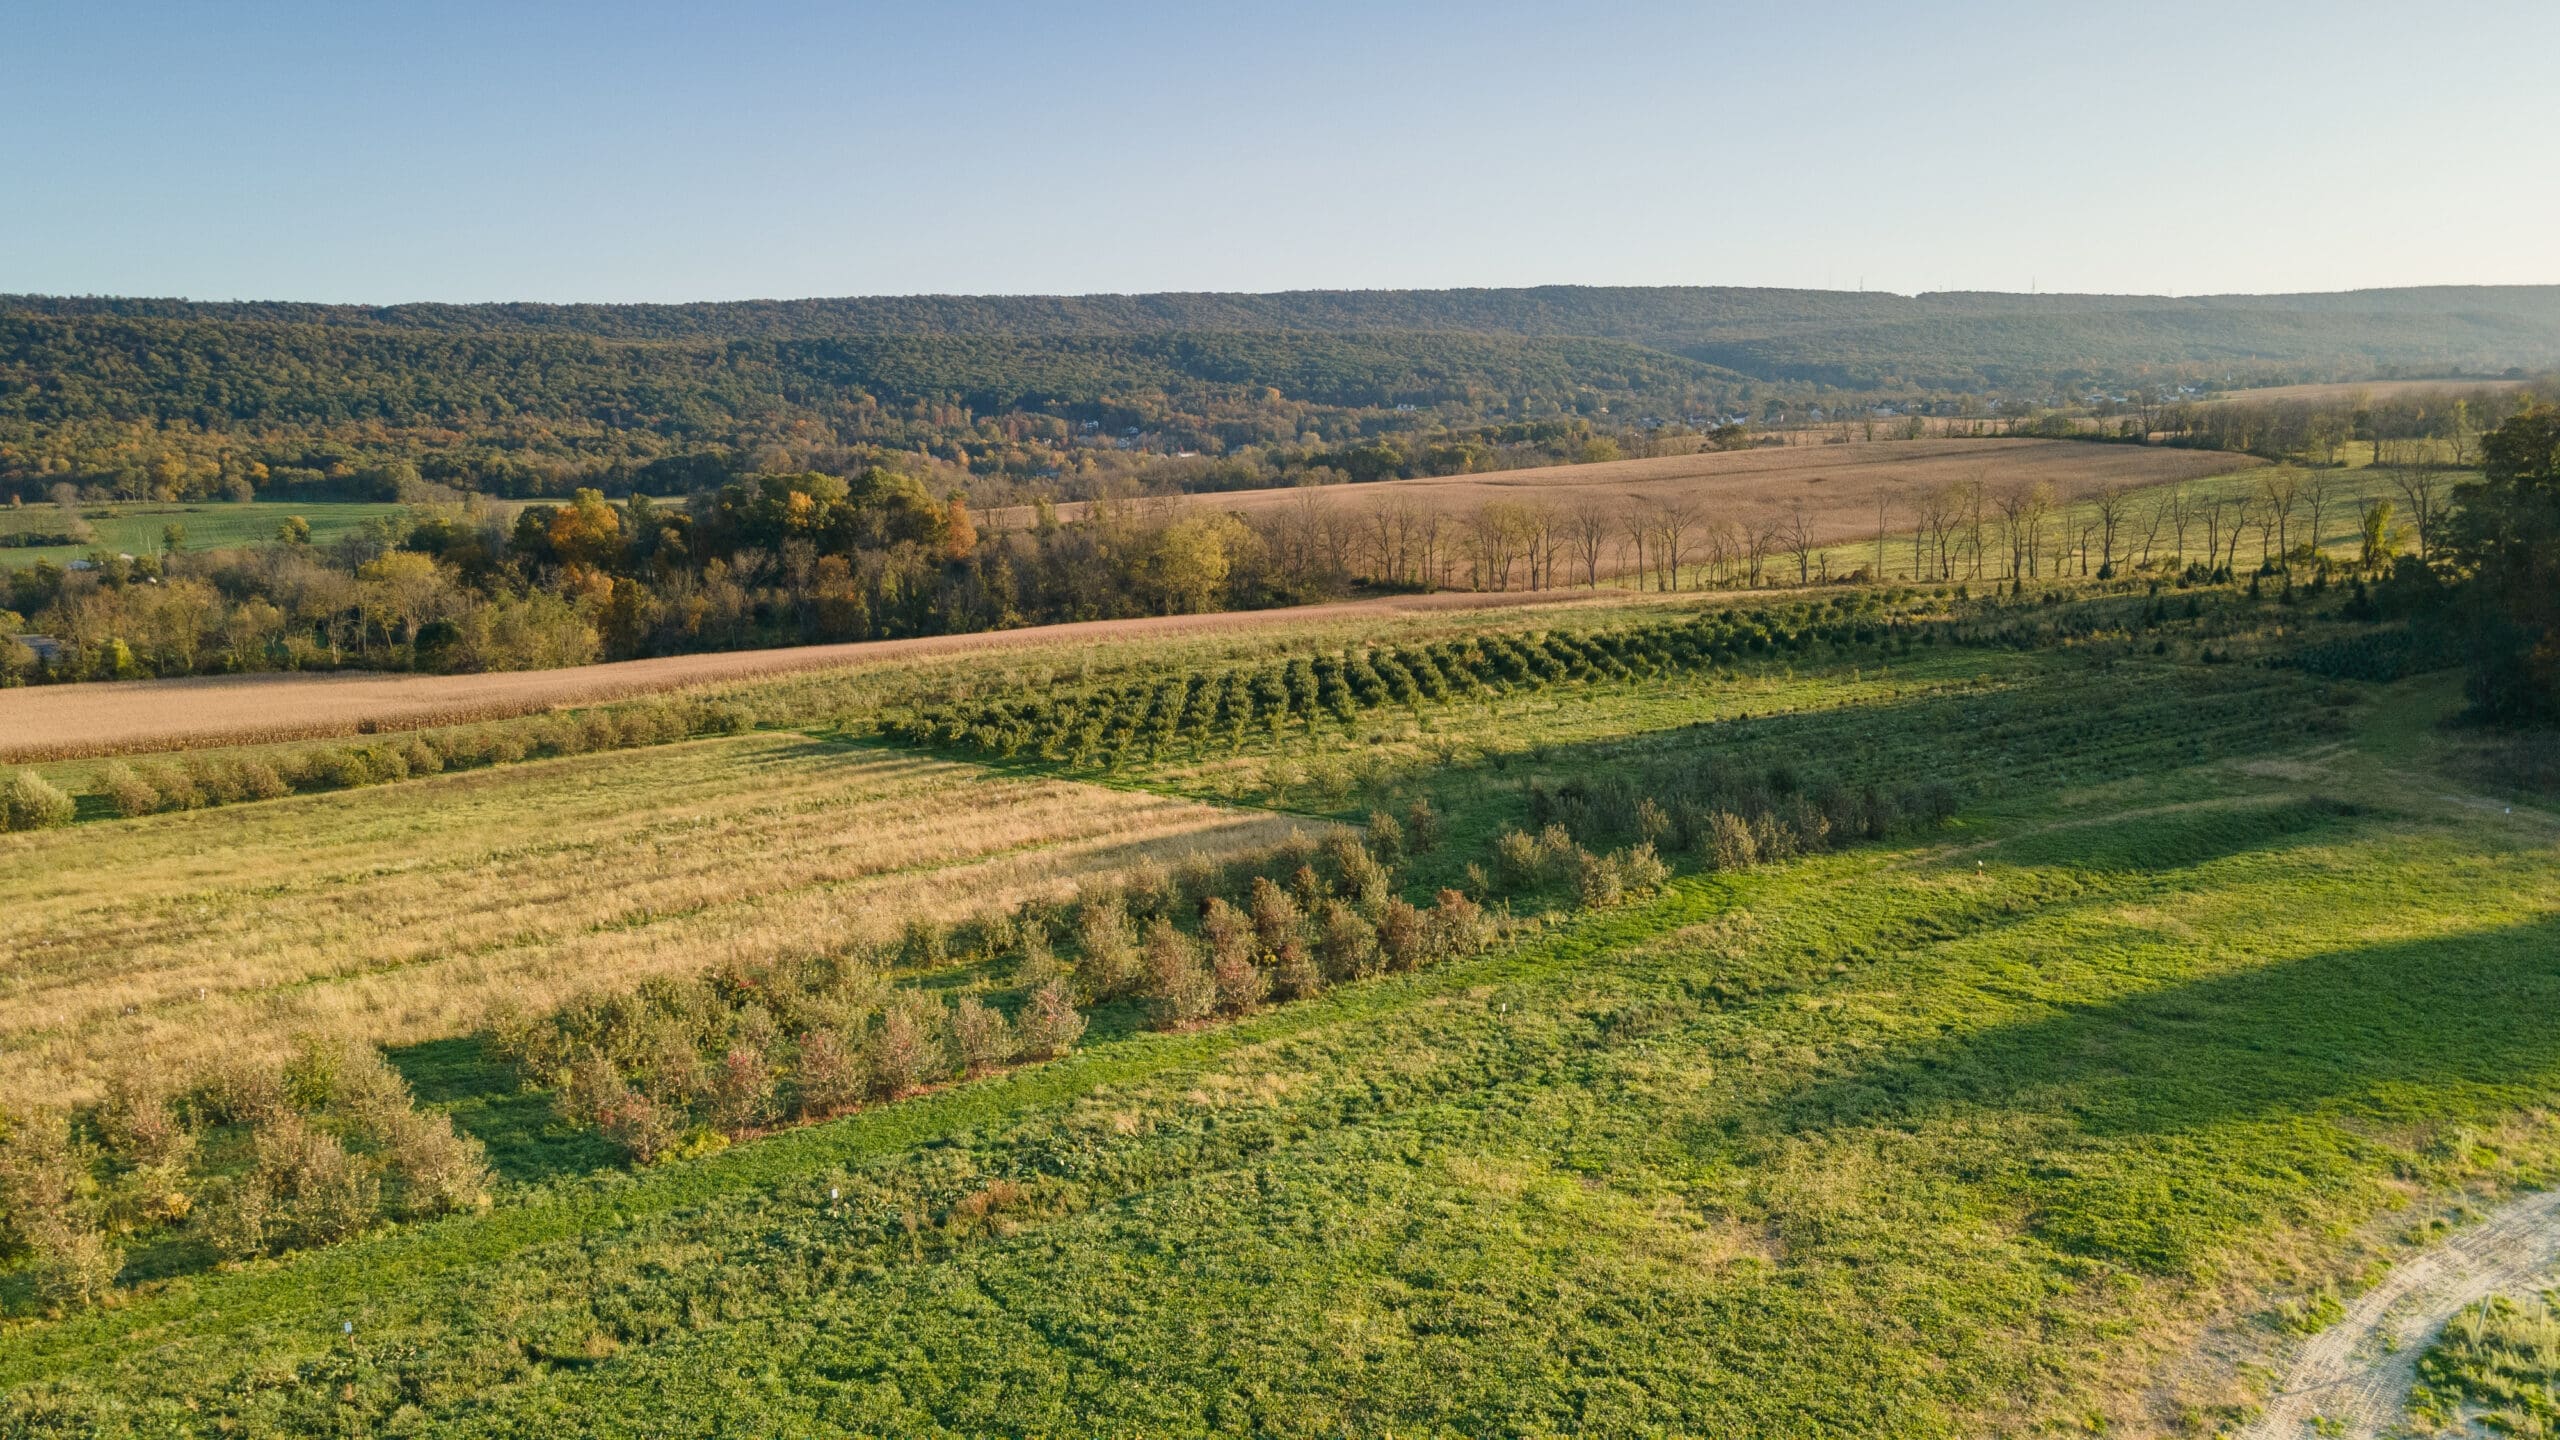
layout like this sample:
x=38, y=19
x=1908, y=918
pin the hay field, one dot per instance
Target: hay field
x=403, y=913
x=127, y=717
x=1837, y=484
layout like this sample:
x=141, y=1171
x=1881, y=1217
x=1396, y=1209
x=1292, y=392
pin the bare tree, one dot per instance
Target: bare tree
x=2422, y=492
x=1977, y=494
x=1589, y=524
x=1636, y=526
x=1795, y=538
x=1759, y=537
x=2316, y=489
x=2156, y=518
x=2279, y=490
x=1674, y=517
x=2022, y=509
x=2109, y=502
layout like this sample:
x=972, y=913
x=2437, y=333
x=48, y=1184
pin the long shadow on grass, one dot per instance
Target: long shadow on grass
x=2169, y=1120
x=2470, y=1011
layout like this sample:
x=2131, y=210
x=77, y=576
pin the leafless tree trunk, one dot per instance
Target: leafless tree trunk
x=1590, y=524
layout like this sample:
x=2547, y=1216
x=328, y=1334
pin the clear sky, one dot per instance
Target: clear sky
x=378, y=151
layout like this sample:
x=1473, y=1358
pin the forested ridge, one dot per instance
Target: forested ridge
x=538, y=399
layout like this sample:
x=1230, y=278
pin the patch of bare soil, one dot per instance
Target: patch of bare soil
x=2352, y=1379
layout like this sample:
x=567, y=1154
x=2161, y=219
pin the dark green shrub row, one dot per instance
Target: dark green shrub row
x=2377, y=656
x=1151, y=715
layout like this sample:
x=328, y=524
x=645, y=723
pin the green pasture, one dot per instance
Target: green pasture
x=139, y=527
x=2214, y=986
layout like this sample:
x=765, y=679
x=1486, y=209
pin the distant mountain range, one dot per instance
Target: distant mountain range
x=593, y=384
x=1857, y=340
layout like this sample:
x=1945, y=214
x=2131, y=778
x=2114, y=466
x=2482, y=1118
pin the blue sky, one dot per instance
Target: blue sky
x=382, y=152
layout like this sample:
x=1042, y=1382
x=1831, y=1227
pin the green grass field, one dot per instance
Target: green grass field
x=137, y=528
x=2059, y=1120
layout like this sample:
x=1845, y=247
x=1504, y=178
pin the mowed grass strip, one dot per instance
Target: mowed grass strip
x=403, y=913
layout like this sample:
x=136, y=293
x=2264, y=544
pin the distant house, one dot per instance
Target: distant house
x=45, y=646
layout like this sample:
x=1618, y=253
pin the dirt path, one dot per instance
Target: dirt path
x=138, y=716
x=2354, y=1377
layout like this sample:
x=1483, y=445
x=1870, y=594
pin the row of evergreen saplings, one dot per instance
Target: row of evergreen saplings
x=255, y=1159
x=1147, y=716
x=676, y=1067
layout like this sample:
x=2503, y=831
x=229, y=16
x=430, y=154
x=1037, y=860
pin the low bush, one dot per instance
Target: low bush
x=29, y=802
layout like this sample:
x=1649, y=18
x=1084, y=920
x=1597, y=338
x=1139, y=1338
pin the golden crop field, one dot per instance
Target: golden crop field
x=1838, y=485
x=138, y=716
x=403, y=913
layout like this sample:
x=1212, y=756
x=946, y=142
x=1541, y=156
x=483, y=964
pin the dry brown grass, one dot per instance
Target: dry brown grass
x=60, y=722
x=403, y=913
x=1837, y=485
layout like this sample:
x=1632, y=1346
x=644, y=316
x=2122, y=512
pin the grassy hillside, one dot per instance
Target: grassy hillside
x=2058, y=1117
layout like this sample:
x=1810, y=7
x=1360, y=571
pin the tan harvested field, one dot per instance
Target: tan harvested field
x=137, y=716
x=2370, y=389
x=1837, y=484
x=403, y=913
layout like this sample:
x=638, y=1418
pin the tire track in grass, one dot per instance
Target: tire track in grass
x=2352, y=1380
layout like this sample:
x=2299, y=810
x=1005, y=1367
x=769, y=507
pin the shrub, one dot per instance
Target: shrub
x=1403, y=936
x=72, y=1265
x=742, y=1089
x=1345, y=942
x=28, y=802
x=1421, y=827
x=1730, y=843
x=1458, y=926
x=139, y=1125
x=925, y=944
x=1307, y=887
x=1294, y=972
x=1147, y=890
x=241, y=1090
x=440, y=1172
x=1640, y=871
x=640, y=1125
x=1276, y=915
x=1519, y=858
x=906, y=1051
x=314, y=1191
x=670, y=1065
x=1241, y=985
x=128, y=793
x=981, y=1034
x=1775, y=838
x=1386, y=838
x=1181, y=987
x=829, y=1078
x=1596, y=883
x=1035, y=964
x=1652, y=822
x=1227, y=929
x=1050, y=1025
x=1107, y=958
x=176, y=789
